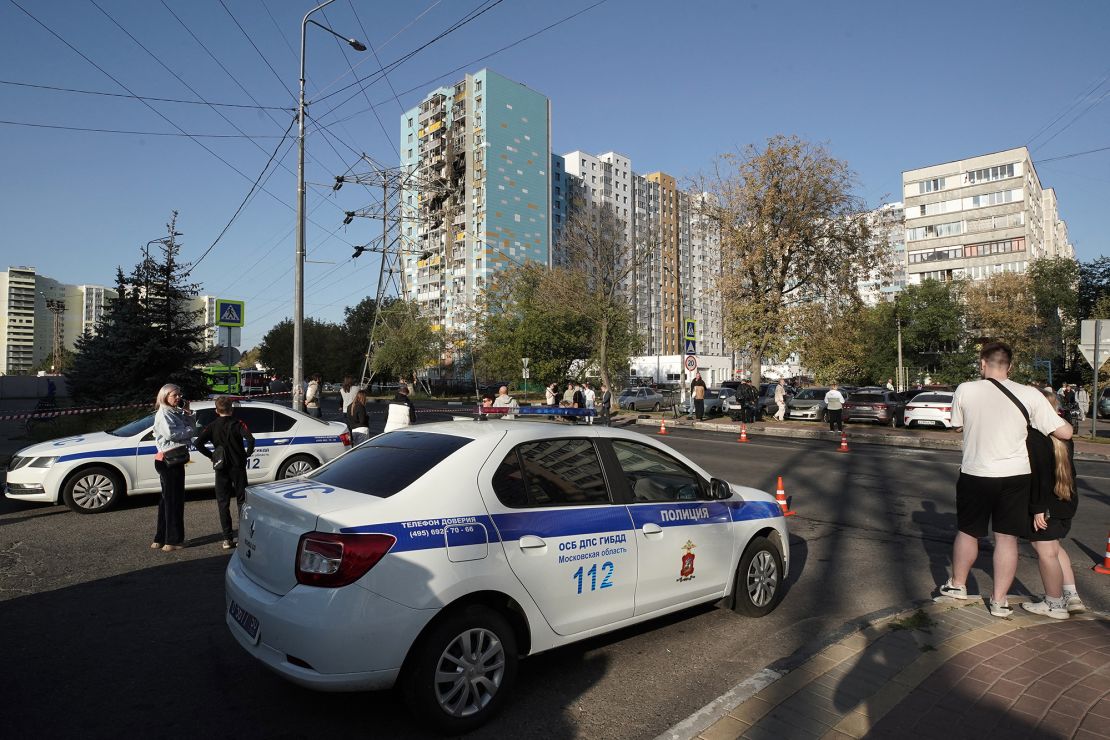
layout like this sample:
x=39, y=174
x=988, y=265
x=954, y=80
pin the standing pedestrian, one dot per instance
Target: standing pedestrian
x=590, y=397
x=505, y=401
x=890, y=384
x=568, y=395
x=357, y=418
x=232, y=443
x=549, y=394
x=347, y=393
x=401, y=411
x=994, y=484
x=697, y=392
x=173, y=430
x=834, y=407
x=1084, y=400
x=780, y=400
x=312, y=396
x=749, y=397
x=1053, y=501
x=606, y=405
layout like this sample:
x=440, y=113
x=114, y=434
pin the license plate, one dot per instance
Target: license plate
x=863, y=408
x=244, y=619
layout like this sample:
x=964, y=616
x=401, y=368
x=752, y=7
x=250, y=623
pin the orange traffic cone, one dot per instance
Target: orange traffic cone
x=663, y=426
x=1105, y=567
x=743, y=433
x=843, y=442
x=780, y=499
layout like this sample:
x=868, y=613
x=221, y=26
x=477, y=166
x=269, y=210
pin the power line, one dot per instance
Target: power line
x=471, y=63
x=377, y=58
x=266, y=61
x=55, y=88
x=1079, y=99
x=140, y=133
x=1073, y=155
x=482, y=9
x=250, y=192
x=1081, y=113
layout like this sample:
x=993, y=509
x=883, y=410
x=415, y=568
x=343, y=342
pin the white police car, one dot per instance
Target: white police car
x=433, y=557
x=92, y=472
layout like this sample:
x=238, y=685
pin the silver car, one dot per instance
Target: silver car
x=640, y=399
x=809, y=404
x=717, y=401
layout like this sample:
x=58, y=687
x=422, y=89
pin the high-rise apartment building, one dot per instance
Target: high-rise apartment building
x=889, y=232
x=479, y=200
x=976, y=217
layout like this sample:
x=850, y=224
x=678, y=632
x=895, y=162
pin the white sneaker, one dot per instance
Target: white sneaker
x=1000, y=610
x=1044, y=609
x=1075, y=604
x=954, y=592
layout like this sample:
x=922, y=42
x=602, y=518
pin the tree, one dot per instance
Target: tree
x=1054, y=285
x=595, y=281
x=324, y=346
x=65, y=362
x=1001, y=308
x=357, y=323
x=408, y=342
x=147, y=337
x=791, y=231
x=934, y=340
x=250, y=358
x=516, y=320
x=1094, y=284
x=834, y=339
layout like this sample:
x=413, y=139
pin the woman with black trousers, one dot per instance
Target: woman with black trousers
x=173, y=430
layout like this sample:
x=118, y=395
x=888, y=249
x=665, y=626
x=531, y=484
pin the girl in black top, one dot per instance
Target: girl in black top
x=357, y=418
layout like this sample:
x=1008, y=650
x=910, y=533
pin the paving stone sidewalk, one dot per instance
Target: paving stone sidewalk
x=947, y=670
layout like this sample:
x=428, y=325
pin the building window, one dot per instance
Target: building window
x=989, y=174
x=929, y=186
x=477, y=86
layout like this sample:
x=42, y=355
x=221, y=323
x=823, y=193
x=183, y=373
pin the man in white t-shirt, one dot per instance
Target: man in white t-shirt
x=591, y=399
x=993, y=487
x=834, y=407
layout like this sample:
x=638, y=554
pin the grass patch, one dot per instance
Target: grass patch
x=919, y=620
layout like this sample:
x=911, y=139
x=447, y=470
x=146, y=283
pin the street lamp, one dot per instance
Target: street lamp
x=298, y=272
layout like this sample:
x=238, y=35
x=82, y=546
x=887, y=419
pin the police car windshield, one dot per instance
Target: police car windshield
x=389, y=462
x=132, y=428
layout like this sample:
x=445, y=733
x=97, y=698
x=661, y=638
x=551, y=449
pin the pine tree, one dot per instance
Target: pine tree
x=147, y=337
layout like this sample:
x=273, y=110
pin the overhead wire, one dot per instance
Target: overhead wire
x=377, y=58
x=265, y=61
x=1078, y=100
x=1069, y=124
x=187, y=135
x=56, y=88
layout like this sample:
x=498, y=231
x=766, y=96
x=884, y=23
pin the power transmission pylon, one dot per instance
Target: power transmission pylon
x=57, y=308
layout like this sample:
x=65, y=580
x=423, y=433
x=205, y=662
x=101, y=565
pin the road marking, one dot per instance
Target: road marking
x=702, y=719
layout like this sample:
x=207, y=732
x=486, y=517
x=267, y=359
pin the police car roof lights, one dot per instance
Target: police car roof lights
x=534, y=411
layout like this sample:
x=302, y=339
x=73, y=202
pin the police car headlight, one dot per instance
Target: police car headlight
x=42, y=462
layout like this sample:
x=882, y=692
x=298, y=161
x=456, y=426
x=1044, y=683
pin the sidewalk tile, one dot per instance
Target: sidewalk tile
x=773, y=728
x=786, y=686
x=1102, y=709
x=726, y=728
x=855, y=724
x=802, y=723
x=835, y=735
x=1089, y=735
x=1085, y=694
x=1072, y=707
x=838, y=653
x=1006, y=688
x=810, y=704
x=1094, y=724
x=1059, y=723
x=752, y=710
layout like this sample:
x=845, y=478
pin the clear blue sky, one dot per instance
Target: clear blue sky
x=887, y=86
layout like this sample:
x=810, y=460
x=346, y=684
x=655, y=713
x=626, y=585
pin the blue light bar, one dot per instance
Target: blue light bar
x=538, y=411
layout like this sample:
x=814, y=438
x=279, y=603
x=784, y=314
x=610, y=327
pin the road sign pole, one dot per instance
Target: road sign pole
x=1094, y=382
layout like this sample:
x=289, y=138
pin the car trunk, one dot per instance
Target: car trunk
x=276, y=516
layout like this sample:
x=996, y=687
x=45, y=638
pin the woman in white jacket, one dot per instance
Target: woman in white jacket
x=401, y=411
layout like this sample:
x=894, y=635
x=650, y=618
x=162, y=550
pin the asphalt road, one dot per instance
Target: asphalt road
x=103, y=637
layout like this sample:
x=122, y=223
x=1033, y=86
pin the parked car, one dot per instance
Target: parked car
x=640, y=399
x=875, y=404
x=717, y=401
x=93, y=472
x=931, y=408
x=1104, y=404
x=433, y=558
x=809, y=404
x=767, y=405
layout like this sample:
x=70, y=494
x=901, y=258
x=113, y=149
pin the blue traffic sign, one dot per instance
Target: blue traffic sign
x=691, y=347
x=229, y=313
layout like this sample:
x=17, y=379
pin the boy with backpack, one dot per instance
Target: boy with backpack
x=232, y=444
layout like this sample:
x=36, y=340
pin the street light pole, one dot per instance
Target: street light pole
x=298, y=266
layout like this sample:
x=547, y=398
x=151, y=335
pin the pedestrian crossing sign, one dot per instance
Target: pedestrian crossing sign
x=691, y=329
x=229, y=313
x=691, y=347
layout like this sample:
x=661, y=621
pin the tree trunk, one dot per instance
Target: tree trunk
x=603, y=354
x=755, y=365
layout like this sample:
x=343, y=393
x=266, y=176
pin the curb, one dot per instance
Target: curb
x=870, y=438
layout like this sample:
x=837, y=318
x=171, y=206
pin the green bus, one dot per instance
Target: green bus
x=222, y=379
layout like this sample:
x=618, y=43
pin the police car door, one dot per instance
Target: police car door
x=684, y=540
x=268, y=427
x=565, y=540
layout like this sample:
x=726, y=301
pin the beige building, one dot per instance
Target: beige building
x=976, y=217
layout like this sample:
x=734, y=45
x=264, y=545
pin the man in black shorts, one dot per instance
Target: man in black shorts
x=993, y=488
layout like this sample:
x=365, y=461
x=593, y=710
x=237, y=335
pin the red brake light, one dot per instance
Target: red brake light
x=330, y=560
x=345, y=438
x=945, y=408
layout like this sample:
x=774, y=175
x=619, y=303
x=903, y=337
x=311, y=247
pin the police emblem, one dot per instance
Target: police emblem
x=686, y=572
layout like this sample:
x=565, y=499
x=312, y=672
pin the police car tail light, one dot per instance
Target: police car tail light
x=330, y=560
x=345, y=438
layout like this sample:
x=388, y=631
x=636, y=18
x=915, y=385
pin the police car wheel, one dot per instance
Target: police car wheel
x=93, y=490
x=296, y=465
x=758, y=579
x=460, y=673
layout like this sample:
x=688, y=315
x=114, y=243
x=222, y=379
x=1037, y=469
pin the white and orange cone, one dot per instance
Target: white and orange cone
x=843, y=442
x=780, y=499
x=1105, y=567
x=743, y=433
x=663, y=426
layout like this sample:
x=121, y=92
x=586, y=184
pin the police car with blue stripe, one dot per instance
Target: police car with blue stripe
x=93, y=472
x=435, y=556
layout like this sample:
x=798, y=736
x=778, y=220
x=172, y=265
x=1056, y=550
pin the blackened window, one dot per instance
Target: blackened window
x=389, y=462
x=551, y=472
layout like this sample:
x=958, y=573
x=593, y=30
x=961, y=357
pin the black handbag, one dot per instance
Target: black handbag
x=219, y=458
x=176, y=456
x=1042, y=456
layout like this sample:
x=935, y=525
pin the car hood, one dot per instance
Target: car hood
x=805, y=401
x=101, y=443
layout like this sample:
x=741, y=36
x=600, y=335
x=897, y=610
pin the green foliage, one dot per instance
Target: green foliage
x=934, y=339
x=408, y=343
x=65, y=362
x=147, y=337
x=1094, y=284
x=324, y=345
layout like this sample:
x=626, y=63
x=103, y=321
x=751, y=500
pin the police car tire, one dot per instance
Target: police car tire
x=766, y=557
x=91, y=475
x=283, y=471
x=418, y=678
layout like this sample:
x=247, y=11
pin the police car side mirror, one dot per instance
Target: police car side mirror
x=719, y=489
